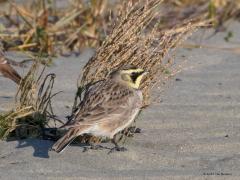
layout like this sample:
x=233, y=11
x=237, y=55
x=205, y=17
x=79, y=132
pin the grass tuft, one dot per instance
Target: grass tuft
x=33, y=109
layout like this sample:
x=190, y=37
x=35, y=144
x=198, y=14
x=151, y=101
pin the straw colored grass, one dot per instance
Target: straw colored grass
x=33, y=106
x=43, y=28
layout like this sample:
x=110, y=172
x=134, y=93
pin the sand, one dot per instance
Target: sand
x=192, y=133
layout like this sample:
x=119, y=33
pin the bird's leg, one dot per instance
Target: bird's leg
x=93, y=147
x=129, y=132
x=137, y=130
x=132, y=130
x=117, y=147
x=96, y=146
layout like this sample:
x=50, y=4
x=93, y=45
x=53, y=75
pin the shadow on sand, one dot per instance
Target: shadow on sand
x=41, y=147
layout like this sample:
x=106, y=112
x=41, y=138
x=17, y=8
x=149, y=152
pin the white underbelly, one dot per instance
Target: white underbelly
x=125, y=125
x=97, y=129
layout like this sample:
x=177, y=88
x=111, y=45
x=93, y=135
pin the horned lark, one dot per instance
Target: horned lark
x=7, y=71
x=108, y=107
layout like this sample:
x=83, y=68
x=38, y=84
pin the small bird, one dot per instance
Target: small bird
x=108, y=107
x=7, y=71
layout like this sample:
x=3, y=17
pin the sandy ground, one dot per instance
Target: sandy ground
x=194, y=132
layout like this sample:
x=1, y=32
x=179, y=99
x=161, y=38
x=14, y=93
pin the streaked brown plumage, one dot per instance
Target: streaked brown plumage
x=108, y=107
x=7, y=71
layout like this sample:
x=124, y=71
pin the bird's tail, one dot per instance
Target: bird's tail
x=64, y=141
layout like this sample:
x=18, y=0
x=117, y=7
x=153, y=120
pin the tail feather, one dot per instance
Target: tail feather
x=69, y=137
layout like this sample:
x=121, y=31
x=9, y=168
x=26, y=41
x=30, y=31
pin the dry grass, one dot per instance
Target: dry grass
x=43, y=28
x=33, y=106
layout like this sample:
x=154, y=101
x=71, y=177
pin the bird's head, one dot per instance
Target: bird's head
x=130, y=76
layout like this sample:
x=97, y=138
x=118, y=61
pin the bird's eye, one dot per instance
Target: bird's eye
x=134, y=76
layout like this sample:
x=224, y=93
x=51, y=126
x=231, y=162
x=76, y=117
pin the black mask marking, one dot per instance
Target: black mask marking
x=135, y=75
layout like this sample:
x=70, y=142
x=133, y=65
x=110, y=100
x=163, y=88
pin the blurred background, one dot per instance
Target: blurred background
x=63, y=27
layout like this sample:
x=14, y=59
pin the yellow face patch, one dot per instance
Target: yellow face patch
x=130, y=71
x=132, y=77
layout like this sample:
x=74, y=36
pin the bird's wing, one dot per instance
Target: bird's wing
x=106, y=101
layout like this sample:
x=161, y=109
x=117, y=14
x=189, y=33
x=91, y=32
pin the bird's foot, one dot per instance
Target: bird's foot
x=138, y=130
x=132, y=130
x=117, y=148
x=93, y=147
